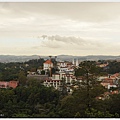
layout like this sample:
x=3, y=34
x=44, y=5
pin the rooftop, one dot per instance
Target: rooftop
x=48, y=62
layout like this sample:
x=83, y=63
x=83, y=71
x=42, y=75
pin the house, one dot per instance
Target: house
x=56, y=76
x=13, y=84
x=115, y=92
x=63, y=69
x=4, y=84
x=68, y=77
x=47, y=65
x=61, y=64
x=106, y=95
x=53, y=83
x=108, y=83
x=101, y=78
x=103, y=65
x=69, y=64
x=114, y=76
x=10, y=84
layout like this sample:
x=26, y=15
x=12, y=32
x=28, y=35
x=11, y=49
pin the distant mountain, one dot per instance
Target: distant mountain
x=13, y=58
x=89, y=57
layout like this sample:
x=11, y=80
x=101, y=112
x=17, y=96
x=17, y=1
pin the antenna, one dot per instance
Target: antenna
x=50, y=57
x=55, y=58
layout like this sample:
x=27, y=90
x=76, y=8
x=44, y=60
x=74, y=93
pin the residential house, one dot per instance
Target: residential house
x=4, y=84
x=102, y=65
x=106, y=95
x=13, y=84
x=53, y=83
x=62, y=64
x=108, y=83
x=10, y=84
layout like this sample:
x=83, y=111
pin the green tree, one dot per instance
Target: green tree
x=22, y=78
x=93, y=113
x=77, y=115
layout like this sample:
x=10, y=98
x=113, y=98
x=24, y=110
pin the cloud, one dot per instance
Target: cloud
x=69, y=42
x=57, y=18
x=90, y=12
x=64, y=27
x=62, y=40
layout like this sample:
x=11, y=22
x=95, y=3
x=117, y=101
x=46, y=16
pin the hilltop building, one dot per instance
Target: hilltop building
x=47, y=65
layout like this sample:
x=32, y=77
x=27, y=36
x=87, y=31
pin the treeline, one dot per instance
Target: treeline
x=113, y=67
x=10, y=71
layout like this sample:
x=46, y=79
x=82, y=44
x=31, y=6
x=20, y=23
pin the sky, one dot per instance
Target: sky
x=55, y=28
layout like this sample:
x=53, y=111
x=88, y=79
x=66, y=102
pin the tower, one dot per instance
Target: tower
x=55, y=58
x=77, y=63
x=50, y=57
x=73, y=62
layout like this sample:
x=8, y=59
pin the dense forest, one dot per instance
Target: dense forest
x=35, y=100
x=9, y=71
x=32, y=99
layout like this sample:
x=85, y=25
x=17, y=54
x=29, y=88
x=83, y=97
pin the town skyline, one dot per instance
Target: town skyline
x=78, y=29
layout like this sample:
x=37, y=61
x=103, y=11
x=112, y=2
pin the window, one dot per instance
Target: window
x=3, y=85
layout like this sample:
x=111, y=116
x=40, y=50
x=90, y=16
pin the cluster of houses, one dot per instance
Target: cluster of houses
x=65, y=74
x=111, y=81
x=106, y=95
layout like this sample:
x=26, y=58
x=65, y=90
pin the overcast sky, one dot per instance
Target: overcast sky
x=60, y=28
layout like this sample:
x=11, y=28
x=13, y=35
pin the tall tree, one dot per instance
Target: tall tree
x=88, y=70
x=22, y=78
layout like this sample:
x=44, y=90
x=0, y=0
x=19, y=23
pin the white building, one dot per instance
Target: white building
x=62, y=64
x=47, y=65
x=53, y=83
x=63, y=69
x=56, y=81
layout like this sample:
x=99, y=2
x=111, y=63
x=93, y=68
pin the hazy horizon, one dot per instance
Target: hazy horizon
x=55, y=55
x=44, y=29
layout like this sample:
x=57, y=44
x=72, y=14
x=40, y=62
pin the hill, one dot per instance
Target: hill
x=13, y=58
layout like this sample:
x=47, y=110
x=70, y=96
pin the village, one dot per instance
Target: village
x=64, y=74
x=36, y=82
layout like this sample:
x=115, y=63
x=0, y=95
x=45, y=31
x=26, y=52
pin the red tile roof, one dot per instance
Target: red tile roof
x=13, y=84
x=48, y=62
x=108, y=79
x=115, y=92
